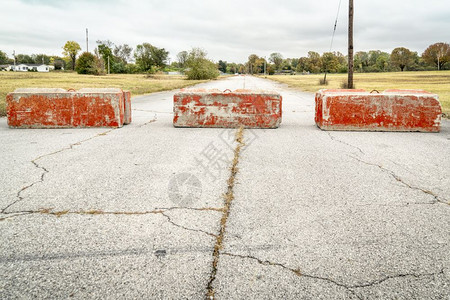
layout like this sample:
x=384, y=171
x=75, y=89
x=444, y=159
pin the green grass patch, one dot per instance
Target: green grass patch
x=138, y=84
x=437, y=82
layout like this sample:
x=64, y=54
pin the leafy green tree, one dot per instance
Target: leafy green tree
x=150, y=58
x=41, y=59
x=294, y=63
x=88, y=63
x=71, y=49
x=343, y=62
x=401, y=57
x=3, y=58
x=286, y=64
x=315, y=62
x=361, y=60
x=252, y=63
x=303, y=65
x=182, y=58
x=222, y=66
x=105, y=52
x=24, y=59
x=199, y=67
x=277, y=59
x=382, y=61
x=437, y=54
x=123, y=52
x=58, y=63
x=330, y=62
x=255, y=64
x=373, y=56
x=116, y=56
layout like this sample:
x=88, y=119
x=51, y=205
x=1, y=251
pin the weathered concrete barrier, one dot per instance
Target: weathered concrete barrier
x=391, y=110
x=127, y=110
x=58, y=108
x=228, y=109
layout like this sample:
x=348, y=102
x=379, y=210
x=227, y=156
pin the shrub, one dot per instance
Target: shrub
x=344, y=85
x=88, y=63
x=323, y=81
x=199, y=67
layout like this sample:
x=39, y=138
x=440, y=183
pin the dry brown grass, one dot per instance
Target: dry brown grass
x=138, y=84
x=435, y=82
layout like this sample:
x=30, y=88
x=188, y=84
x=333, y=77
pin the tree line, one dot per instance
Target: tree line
x=435, y=57
x=147, y=58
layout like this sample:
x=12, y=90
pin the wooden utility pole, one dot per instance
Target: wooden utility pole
x=350, y=45
x=87, y=41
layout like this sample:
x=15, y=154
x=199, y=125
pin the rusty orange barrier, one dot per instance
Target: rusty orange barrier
x=391, y=110
x=58, y=108
x=227, y=109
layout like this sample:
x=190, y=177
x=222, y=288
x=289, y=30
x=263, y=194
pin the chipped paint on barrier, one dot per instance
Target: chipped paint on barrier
x=392, y=110
x=57, y=108
x=212, y=108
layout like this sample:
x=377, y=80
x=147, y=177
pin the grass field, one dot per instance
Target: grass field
x=137, y=84
x=435, y=82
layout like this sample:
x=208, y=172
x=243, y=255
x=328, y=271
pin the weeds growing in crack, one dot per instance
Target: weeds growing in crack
x=228, y=199
x=95, y=212
x=155, y=118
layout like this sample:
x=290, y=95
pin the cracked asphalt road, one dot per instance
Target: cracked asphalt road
x=87, y=213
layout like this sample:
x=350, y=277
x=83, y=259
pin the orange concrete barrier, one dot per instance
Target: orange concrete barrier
x=58, y=108
x=228, y=109
x=391, y=110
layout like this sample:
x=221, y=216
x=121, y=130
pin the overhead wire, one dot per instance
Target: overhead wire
x=332, y=37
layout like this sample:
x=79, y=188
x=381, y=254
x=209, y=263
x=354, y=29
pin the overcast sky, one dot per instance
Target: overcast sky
x=229, y=30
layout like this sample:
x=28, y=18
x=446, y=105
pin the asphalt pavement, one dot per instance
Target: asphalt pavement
x=136, y=212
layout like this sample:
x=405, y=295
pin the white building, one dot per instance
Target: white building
x=30, y=67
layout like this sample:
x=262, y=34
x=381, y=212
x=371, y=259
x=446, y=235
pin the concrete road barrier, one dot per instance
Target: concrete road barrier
x=127, y=110
x=228, y=109
x=391, y=110
x=58, y=108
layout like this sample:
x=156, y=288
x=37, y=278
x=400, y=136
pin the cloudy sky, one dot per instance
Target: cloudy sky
x=230, y=30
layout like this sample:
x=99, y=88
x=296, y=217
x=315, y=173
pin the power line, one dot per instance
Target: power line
x=332, y=39
x=335, y=24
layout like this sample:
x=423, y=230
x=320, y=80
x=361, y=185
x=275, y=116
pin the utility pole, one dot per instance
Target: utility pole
x=87, y=41
x=264, y=66
x=350, y=45
x=14, y=55
x=108, y=64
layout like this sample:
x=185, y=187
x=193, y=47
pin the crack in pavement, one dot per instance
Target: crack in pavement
x=349, y=288
x=153, y=111
x=155, y=118
x=297, y=271
x=186, y=228
x=344, y=143
x=163, y=212
x=228, y=199
x=45, y=171
x=19, y=193
x=437, y=199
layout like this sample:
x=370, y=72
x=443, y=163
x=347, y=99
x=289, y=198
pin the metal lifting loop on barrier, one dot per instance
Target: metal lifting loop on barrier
x=374, y=91
x=71, y=90
x=227, y=90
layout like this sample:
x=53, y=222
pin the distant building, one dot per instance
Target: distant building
x=5, y=67
x=30, y=67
